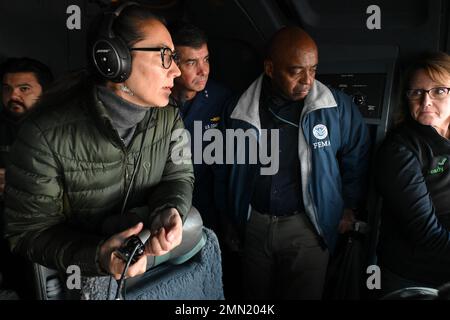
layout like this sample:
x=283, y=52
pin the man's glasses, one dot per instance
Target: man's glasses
x=434, y=93
x=167, y=55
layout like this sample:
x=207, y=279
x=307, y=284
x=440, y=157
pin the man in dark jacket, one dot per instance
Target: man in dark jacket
x=23, y=81
x=291, y=213
x=201, y=101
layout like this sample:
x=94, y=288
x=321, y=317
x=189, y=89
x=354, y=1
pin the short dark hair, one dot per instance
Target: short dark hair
x=42, y=72
x=128, y=24
x=186, y=34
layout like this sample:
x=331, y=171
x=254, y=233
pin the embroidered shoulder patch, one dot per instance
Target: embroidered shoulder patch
x=440, y=167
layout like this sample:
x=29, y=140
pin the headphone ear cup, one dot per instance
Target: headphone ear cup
x=112, y=59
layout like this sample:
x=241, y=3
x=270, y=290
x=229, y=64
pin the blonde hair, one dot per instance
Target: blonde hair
x=436, y=65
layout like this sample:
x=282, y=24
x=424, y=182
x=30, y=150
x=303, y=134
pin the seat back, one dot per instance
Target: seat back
x=48, y=283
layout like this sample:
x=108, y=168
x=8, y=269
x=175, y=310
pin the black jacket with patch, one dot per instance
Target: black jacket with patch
x=413, y=177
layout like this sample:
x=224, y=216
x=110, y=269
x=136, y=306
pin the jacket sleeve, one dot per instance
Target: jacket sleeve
x=177, y=181
x=353, y=154
x=35, y=222
x=402, y=185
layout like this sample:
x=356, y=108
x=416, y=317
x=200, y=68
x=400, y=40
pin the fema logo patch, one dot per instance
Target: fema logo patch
x=320, y=131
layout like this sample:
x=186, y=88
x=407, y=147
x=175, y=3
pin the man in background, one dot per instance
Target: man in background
x=23, y=82
x=200, y=100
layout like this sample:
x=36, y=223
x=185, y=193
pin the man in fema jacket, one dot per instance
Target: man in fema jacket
x=290, y=211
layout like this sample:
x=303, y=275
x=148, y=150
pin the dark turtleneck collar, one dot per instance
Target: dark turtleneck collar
x=124, y=114
x=272, y=97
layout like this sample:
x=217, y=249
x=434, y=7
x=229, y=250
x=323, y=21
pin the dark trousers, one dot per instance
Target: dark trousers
x=283, y=258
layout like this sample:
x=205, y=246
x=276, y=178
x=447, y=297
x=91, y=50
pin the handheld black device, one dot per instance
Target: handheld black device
x=136, y=244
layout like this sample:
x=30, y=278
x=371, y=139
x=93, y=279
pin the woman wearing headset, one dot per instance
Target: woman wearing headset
x=95, y=151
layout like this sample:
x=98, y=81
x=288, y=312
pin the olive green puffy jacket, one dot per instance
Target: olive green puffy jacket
x=69, y=171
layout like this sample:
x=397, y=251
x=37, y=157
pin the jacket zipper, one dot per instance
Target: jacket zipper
x=308, y=175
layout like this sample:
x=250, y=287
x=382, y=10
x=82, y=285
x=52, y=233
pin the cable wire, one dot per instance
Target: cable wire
x=122, y=277
x=125, y=201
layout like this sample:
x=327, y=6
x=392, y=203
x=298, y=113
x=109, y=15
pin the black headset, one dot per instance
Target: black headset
x=112, y=58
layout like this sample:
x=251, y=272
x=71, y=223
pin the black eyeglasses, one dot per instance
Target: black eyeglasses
x=167, y=55
x=434, y=93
